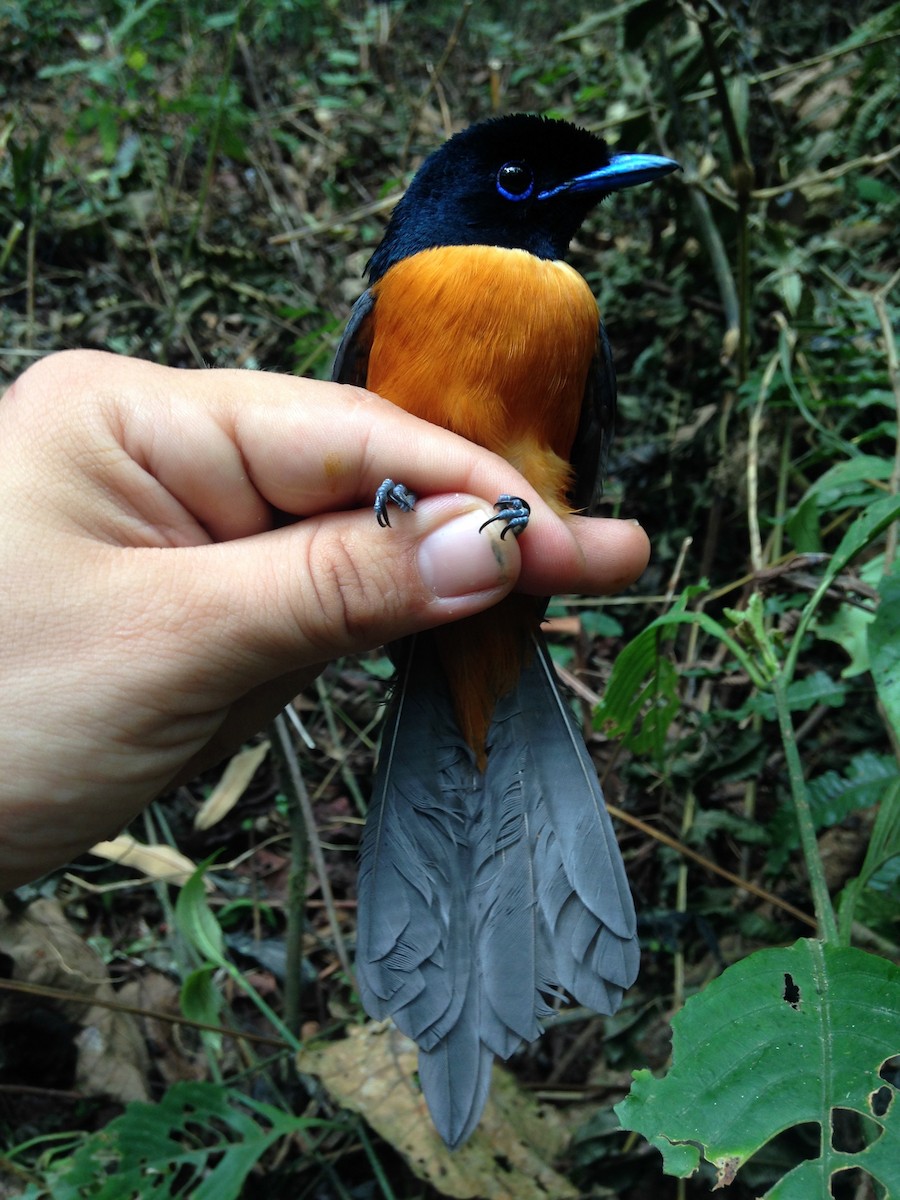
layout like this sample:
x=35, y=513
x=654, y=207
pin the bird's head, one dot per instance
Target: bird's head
x=520, y=181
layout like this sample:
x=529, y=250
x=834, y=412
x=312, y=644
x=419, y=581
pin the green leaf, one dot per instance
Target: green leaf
x=867, y=526
x=641, y=698
x=865, y=782
x=803, y=526
x=848, y=625
x=833, y=797
x=201, y=1001
x=598, y=623
x=843, y=479
x=157, y=1151
x=884, y=846
x=849, y=628
x=874, y=191
x=196, y=922
x=784, y=1037
x=802, y=695
x=884, y=649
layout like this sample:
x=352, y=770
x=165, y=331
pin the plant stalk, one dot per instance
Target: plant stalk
x=293, y=786
x=824, y=910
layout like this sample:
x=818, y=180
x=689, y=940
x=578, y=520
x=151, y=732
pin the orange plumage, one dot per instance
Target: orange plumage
x=509, y=375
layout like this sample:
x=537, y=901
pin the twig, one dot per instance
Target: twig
x=803, y=181
x=295, y=790
x=53, y=993
x=742, y=180
x=314, y=846
x=745, y=884
x=316, y=228
x=216, y=133
x=434, y=76
x=754, y=429
x=276, y=206
x=675, y=577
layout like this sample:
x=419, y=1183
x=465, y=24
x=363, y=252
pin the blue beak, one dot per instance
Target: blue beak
x=622, y=171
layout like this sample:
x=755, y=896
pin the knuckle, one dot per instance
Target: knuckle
x=348, y=600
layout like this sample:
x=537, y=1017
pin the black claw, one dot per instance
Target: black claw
x=392, y=493
x=514, y=511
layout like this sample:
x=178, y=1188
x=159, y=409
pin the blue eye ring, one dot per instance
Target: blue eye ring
x=515, y=181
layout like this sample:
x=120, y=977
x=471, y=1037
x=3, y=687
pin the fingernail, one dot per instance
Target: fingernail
x=457, y=560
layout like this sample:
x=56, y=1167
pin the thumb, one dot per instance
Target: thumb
x=335, y=584
x=275, y=608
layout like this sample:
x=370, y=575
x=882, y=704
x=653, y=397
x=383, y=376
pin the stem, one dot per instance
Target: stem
x=294, y=788
x=240, y=981
x=215, y=134
x=825, y=917
x=742, y=179
x=681, y=896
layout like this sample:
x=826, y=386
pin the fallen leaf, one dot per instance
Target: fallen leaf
x=372, y=1071
x=45, y=949
x=178, y=1052
x=159, y=862
x=234, y=782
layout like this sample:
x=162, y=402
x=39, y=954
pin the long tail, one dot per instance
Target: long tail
x=481, y=892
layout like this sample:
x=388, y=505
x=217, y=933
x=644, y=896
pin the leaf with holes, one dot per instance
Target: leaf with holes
x=801, y=1034
x=200, y=1140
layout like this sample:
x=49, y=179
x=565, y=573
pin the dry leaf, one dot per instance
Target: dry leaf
x=177, y=1051
x=45, y=949
x=157, y=862
x=372, y=1071
x=234, y=782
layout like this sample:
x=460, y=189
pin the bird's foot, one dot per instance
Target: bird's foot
x=514, y=511
x=388, y=493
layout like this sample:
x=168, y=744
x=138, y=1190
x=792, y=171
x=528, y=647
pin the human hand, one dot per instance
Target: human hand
x=153, y=612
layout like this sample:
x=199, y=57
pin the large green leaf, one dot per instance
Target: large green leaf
x=199, y=1141
x=784, y=1037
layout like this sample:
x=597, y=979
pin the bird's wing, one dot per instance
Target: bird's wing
x=351, y=362
x=595, y=428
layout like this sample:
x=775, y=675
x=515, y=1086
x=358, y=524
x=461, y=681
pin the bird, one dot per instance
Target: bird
x=490, y=879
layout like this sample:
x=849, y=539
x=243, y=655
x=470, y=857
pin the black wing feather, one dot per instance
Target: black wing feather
x=590, y=449
x=351, y=362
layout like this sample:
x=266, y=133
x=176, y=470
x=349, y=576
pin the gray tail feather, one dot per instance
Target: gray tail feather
x=480, y=893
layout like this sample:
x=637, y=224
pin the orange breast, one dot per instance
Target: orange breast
x=496, y=345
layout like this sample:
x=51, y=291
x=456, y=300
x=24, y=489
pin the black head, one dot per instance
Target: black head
x=520, y=181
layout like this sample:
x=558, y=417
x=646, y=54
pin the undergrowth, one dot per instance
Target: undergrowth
x=203, y=188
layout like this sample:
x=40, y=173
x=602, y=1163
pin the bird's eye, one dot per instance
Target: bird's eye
x=515, y=181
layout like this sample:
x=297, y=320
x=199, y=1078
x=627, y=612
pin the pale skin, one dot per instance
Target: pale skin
x=153, y=613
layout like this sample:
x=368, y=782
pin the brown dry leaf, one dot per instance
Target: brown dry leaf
x=234, y=782
x=701, y=416
x=177, y=1051
x=371, y=1071
x=45, y=949
x=159, y=862
x=827, y=95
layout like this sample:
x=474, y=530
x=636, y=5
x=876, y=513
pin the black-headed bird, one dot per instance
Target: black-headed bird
x=490, y=876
